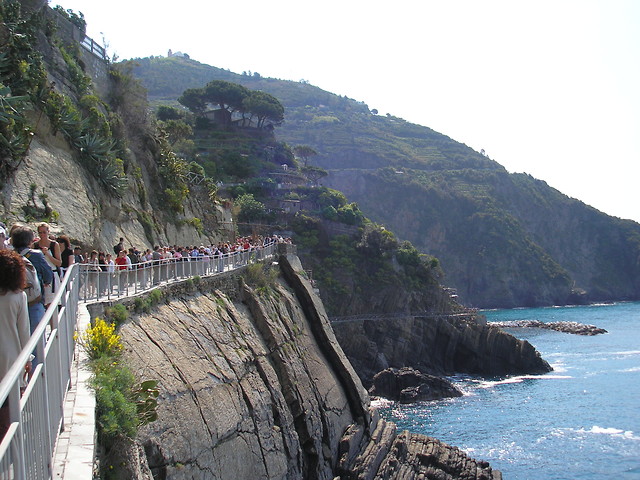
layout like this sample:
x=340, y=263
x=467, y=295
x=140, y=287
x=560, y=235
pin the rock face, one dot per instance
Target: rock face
x=387, y=454
x=255, y=385
x=408, y=385
x=437, y=346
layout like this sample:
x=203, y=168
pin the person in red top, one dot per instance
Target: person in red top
x=122, y=262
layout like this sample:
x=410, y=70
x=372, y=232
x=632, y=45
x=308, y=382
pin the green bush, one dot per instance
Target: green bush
x=117, y=314
x=261, y=277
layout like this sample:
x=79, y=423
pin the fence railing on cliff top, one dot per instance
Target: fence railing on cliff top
x=36, y=415
x=36, y=409
x=97, y=284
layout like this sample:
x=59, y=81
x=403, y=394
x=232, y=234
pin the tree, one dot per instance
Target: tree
x=304, y=152
x=250, y=209
x=165, y=112
x=228, y=95
x=314, y=173
x=176, y=130
x=264, y=106
x=194, y=100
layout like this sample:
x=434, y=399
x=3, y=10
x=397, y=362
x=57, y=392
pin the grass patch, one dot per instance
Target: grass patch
x=262, y=277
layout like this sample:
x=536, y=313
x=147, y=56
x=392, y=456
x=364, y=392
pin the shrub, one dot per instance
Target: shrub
x=116, y=413
x=117, y=313
x=101, y=340
x=260, y=276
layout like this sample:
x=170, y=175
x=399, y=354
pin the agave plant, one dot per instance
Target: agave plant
x=108, y=174
x=71, y=124
x=95, y=148
x=10, y=106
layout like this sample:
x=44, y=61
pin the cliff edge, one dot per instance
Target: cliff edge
x=254, y=385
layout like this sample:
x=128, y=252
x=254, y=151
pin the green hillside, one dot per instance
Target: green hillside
x=504, y=240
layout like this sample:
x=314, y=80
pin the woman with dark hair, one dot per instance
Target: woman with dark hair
x=51, y=251
x=66, y=254
x=14, y=319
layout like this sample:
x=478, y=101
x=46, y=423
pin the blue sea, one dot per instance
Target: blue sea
x=581, y=421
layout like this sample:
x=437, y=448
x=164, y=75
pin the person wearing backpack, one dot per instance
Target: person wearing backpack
x=34, y=284
x=21, y=238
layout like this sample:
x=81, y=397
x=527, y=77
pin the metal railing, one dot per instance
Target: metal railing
x=36, y=416
x=98, y=284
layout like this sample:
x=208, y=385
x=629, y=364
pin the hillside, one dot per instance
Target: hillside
x=504, y=240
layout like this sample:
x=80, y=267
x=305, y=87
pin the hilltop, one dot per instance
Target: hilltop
x=503, y=240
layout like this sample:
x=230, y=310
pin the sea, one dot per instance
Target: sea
x=581, y=421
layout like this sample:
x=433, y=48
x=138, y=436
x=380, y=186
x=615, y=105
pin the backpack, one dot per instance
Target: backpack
x=33, y=288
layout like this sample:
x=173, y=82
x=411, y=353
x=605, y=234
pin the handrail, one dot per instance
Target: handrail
x=37, y=415
x=144, y=276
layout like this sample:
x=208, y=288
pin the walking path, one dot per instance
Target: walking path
x=74, y=453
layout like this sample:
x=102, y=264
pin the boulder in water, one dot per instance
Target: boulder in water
x=408, y=385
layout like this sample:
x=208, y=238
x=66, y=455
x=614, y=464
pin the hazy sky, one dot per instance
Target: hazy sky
x=546, y=87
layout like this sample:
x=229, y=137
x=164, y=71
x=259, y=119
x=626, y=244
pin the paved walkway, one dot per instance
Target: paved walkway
x=74, y=453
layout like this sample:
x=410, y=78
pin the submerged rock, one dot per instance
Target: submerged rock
x=409, y=385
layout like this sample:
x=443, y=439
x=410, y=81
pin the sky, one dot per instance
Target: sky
x=546, y=87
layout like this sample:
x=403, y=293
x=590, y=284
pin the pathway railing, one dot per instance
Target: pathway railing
x=98, y=284
x=36, y=413
x=36, y=416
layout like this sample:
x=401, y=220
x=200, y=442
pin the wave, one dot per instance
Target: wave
x=381, y=402
x=596, y=430
x=630, y=370
x=559, y=367
x=616, y=432
x=519, y=379
x=601, y=355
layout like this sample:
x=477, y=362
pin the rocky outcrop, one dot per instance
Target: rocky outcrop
x=565, y=327
x=437, y=345
x=408, y=385
x=385, y=454
x=255, y=385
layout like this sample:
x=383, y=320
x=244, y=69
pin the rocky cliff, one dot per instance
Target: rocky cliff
x=254, y=385
x=437, y=345
x=50, y=179
x=504, y=240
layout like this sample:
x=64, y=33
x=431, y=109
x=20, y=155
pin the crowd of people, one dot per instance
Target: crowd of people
x=108, y=272
x=31, y=269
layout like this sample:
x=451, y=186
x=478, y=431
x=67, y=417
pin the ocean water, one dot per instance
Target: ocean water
x=581, y=421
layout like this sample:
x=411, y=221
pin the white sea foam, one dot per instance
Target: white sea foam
x=519, y=379
x=381, y=402
x=559, y=367
x=615, y=432
x=630, y=370
x=628, y=352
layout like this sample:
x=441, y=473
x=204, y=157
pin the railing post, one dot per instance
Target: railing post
x=19, y=463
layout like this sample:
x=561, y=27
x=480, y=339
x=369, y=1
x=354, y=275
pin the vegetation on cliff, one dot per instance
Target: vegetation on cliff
x=503, y=239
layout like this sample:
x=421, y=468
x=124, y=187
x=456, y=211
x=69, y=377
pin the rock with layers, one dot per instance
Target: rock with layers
x=409, y=385
x=387, y=454
x=436, y=345
x=255, y=385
